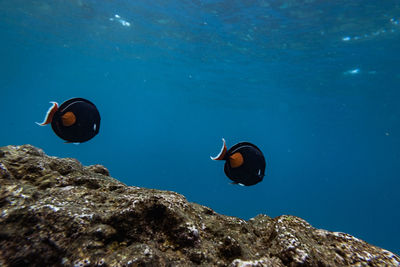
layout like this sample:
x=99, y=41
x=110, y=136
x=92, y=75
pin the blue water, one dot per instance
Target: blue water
x=314, y=84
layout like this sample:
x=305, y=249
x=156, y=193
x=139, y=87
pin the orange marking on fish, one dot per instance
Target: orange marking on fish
x=68, y=118
x=236, y=160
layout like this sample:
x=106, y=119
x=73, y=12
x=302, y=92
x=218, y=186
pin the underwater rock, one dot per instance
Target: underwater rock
x=56, y=212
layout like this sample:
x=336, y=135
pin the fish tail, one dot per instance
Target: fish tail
x=49, y=114
x=222, y=153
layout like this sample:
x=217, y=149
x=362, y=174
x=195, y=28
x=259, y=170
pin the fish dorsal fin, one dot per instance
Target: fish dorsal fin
x=236, y=160
x=49, y=114
x=222, y=153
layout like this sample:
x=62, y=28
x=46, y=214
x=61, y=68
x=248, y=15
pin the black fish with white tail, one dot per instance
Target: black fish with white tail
x=244, y=163
x=76, y=121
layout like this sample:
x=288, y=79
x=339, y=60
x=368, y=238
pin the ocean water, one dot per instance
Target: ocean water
x=314, y=84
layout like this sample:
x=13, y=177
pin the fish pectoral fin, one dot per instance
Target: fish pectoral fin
x=222, y=153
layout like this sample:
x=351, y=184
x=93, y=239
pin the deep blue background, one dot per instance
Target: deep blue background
x=314, y=84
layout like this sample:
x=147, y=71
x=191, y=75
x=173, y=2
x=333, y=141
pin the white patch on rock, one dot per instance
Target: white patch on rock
x=392, y=257
x=251, y=263
x=3, y=214
x=4, y=169
x=67, y=188
x=302, y=254
x=346, y=236
x=82, y=263
x=52, y=207
x=147, y=251
x=194, y=230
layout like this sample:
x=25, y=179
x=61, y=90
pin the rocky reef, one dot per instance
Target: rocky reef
x=56, y=212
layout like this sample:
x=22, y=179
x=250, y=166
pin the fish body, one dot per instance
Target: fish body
x=244, y=163
x=76, y=121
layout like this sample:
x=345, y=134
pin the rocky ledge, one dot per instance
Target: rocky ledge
x=56, y=212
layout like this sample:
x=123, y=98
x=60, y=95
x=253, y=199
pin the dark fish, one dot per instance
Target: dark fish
x=244, y=163
x=76, y=121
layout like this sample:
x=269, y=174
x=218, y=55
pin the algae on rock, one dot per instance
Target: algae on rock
x=56, y=212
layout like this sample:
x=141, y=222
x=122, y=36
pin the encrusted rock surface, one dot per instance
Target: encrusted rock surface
x=56, y=212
